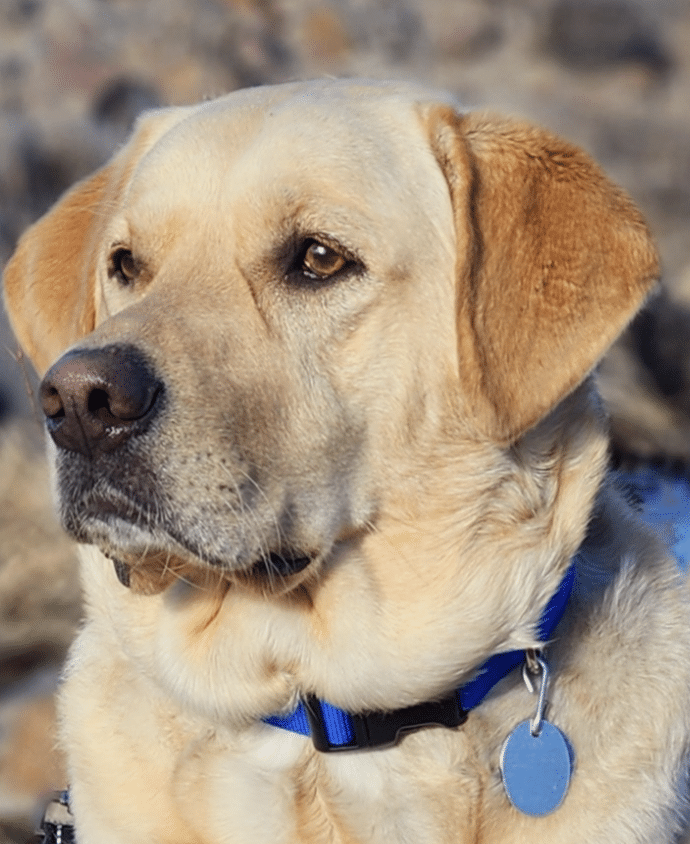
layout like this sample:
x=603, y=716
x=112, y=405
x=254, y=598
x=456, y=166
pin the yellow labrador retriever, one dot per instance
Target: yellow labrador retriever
x=322, y=418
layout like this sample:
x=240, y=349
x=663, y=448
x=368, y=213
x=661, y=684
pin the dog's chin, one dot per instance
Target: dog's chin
x=148, y=559
x=153, y=572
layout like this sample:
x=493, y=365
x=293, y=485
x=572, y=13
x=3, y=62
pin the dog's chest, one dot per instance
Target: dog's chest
x=276, y=789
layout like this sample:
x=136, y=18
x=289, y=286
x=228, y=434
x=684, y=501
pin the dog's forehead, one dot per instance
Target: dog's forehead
x=334, y=136
x=323, y=104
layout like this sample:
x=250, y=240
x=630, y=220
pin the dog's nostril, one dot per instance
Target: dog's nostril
x=102, y=406
x=52, y=403
x=98, y=404
x=97, y=400
x=118, y=405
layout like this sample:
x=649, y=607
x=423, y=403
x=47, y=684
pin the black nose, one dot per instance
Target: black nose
x=96, y=399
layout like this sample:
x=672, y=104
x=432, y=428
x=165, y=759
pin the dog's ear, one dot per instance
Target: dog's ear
x=48, y=291
x=50, y=281
x=553, y=261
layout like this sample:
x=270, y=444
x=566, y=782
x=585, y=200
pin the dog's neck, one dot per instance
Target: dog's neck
x=460, y=573
x=333, y=729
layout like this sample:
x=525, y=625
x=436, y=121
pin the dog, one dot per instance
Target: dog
x=318, y=372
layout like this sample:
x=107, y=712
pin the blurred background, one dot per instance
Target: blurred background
x=611, y=75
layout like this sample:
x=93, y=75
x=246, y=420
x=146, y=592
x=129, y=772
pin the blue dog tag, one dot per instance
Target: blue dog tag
x=536, y=768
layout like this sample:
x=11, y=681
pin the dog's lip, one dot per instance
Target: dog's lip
x=123, y=571
x=281, y=564
x=275, y=566
x=272, y=566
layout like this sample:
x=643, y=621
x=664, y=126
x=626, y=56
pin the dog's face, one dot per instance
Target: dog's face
x=282, y=303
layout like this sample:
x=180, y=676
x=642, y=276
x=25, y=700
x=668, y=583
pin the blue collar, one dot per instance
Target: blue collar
x=332, y=729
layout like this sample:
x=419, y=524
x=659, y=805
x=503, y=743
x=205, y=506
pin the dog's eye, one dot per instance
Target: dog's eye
x=123, y=267
x=320, y=261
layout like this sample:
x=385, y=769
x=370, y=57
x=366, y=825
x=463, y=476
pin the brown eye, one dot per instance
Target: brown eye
x=320, y=261
x=123, y=267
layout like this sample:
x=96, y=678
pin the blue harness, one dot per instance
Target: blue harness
x=333, y=729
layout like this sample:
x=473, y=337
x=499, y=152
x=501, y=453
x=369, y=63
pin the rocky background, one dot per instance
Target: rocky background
x=612, y=75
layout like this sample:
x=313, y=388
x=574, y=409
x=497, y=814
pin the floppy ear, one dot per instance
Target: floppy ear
x=49, y=293
x=559, y=260
x=50, y=281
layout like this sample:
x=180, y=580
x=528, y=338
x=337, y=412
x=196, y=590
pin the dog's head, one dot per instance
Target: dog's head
x=279, y=304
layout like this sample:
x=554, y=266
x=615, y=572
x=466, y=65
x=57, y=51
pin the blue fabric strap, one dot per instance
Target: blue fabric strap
x=334, y=729
x=337, y=723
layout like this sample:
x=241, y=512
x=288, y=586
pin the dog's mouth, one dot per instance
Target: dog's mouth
x=148, y=552
x=280, y=565
x=151, y=574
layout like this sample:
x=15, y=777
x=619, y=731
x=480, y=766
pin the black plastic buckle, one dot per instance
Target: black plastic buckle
x=382, y=729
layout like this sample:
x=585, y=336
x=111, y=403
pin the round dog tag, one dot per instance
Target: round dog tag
x=536, y=768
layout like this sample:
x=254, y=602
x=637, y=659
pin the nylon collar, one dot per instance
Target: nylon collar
x=333, y=729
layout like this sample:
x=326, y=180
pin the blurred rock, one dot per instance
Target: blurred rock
x=645, y=381
x=40, y=608
x=29, y=764
x=591, y=34
x=39, y=592
x=21, y=11
x=467, y=32
x=121, y=101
